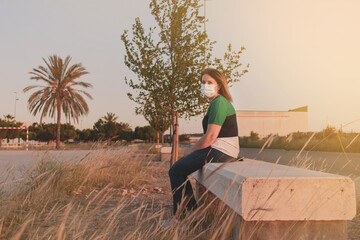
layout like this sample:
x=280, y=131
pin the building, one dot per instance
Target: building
x=272, y=122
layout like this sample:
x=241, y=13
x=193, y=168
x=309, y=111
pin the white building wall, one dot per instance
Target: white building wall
x=271, y=122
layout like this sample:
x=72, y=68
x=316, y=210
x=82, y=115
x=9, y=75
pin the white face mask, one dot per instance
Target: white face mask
x=208, y=90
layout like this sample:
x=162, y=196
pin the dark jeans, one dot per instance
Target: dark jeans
x=185, y=166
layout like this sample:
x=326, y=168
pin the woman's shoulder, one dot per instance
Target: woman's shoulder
x=220, y=99
x=220, y=102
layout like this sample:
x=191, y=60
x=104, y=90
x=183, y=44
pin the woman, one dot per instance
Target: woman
x=220, y=142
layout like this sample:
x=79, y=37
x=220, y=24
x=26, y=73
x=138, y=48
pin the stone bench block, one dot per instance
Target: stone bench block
x=258, y=190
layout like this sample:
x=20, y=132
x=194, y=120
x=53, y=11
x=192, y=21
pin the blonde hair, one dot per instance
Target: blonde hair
x=221, y=81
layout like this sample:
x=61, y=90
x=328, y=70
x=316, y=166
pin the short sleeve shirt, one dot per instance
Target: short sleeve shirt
x=222, y=113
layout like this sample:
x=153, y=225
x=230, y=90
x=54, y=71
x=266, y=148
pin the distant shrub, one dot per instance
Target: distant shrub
x=184, y=138
x=328, y=140
x=254, y=136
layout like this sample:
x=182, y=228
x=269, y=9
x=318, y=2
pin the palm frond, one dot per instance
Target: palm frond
x=30, y=87
x=82, y=84
x=59, y=77
x=85, y=93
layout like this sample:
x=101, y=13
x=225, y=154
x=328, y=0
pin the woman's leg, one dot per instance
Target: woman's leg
x=178, y=176
x=190, y=201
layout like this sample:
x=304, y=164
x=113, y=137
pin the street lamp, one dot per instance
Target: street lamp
x=205, y=28
x=15, y=105
x=205, y=31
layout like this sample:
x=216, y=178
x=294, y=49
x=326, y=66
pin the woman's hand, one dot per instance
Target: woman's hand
x=206, y=140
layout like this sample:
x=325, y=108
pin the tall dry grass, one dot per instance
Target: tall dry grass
x=64, y=199
x=83, y=199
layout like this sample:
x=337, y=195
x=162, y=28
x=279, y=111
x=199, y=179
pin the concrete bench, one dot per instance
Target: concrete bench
x=165, y=153
x=287, y=202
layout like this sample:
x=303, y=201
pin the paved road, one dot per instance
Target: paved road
x=14, y=163
x=338, y=163
x=332, y=162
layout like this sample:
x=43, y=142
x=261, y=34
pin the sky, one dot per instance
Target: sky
x=300, y=53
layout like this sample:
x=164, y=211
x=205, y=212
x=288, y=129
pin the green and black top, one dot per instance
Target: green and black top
x=222, y=112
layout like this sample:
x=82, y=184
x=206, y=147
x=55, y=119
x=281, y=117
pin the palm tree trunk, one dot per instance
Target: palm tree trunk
x=58, y=126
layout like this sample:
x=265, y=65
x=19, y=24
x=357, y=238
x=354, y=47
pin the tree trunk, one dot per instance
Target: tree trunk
x=170, y=133
x=58, y=126
x=176, y=137
x=162, y=138
x=157, y=140
x=172, y=159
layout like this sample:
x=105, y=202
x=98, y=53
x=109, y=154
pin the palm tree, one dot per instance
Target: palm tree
x=110, y=117
x=59, y=93
x=9, y=118
x=110, y=126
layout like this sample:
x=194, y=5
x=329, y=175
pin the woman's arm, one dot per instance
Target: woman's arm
x=209, y=138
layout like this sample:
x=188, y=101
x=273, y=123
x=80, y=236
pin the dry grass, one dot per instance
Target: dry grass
x=63, y=200
x=120, y=193
x=109, y=194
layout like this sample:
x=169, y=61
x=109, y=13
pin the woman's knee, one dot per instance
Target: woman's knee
x=171, y=171
x=175, y=169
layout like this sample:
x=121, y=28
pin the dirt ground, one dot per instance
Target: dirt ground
x=153, y=197
x=354, y=227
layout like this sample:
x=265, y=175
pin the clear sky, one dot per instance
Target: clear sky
x=300, y=53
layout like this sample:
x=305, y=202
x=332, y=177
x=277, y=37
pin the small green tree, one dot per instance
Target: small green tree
x=145, y=133
x=169, y=58
x=158, y=117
